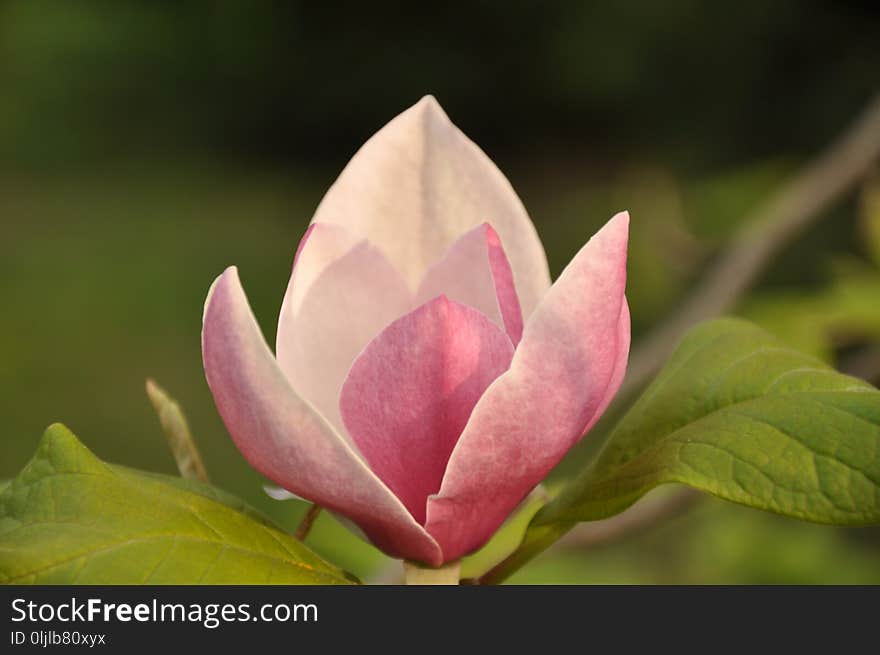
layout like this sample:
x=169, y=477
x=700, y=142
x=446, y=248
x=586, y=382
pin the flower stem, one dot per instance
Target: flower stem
x=416, y=574
x=302, y=531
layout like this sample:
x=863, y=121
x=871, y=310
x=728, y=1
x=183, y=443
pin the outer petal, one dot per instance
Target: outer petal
x=285, y=439
x=475, y=271
x=410, y=393
x=565, y=370
x=624, y=334
x=418, y=184
x=342, y=292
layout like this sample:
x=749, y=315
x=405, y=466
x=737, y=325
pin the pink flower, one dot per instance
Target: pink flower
x=427, y=376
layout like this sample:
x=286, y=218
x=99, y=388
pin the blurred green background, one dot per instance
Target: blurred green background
x=144, y=146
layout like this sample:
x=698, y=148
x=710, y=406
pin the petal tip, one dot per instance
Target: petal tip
x=621, y=219
x=441, y=302
x=428, y=112
x=228, y=272
x=302, y=242
x=615, y=233
x=429, y=103
x=491, y=235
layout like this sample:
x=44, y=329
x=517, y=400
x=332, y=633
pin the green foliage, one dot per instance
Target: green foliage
x=739, y=415
x=717, y=543
x=869, y=218
x=235, y=77
x=70, y=518
x=716, y=204
x=201, y=488
x=844, y=312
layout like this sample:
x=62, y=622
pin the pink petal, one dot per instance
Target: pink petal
x=410, y=393
x=283, y=437
x=566, y=369
x=418, y=184
x=475, y=271
x=342, y=292
x=619, y=372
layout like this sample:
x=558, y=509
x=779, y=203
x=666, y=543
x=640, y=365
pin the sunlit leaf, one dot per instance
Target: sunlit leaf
x=70, y=518
x=738, y=414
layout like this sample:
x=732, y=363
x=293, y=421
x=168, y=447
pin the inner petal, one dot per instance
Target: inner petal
x=341, y=294
x=410, y=393
x=474, y=270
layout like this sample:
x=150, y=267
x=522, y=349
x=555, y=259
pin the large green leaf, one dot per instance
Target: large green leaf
x=201, y=488
x=739, y=415
x=70, y=518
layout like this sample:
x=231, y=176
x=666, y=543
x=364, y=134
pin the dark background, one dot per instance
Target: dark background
x=144, y=146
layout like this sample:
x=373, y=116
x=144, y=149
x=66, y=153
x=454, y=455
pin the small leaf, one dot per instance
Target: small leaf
x=739, y=415
x=69, y=518
x=176, y=428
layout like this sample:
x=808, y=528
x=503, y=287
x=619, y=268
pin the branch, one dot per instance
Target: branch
x=653, y=511
x=864, y=364
x=637, y=519
x=772, y=225
x=764, y=232
x=648, y=513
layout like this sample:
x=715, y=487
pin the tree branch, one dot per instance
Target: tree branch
x=764, y=232
x=639, y=518
x=772, y=225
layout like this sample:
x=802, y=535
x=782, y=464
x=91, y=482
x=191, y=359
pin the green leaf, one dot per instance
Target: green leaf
x=204, y=489
x=70, y=518
x=739, y=415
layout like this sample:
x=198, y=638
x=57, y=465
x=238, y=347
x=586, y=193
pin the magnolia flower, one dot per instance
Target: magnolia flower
x=426, y=374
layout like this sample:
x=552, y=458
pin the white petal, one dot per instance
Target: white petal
x=418, y=184
x=341, y=294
